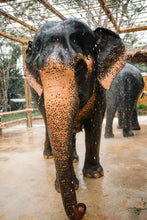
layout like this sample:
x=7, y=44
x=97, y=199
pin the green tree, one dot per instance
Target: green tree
x=11, y=81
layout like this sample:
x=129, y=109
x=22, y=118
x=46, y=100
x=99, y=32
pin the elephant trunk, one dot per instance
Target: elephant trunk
x=60, y=97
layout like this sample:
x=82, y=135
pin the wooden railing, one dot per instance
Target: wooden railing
x=28, y=118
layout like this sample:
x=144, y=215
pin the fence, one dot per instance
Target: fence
x=144, y=99
x=28, y=118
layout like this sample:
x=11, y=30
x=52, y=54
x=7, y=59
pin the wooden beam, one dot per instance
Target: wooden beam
x=11, y=37
x=127, y=30
x=3, y=1
x=27, y=90
x=4, y=13
x=52, y=9
x=109, y=14
x=137, y=55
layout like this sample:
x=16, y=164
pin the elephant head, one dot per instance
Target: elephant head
x=64, y=61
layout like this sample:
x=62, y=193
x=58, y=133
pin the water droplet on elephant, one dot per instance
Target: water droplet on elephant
x=94, y=158
x=95, y=142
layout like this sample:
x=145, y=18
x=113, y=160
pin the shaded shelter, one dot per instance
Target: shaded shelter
x=20, y=19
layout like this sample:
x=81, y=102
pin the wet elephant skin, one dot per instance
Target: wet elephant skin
x=122, y=98
x=66, y=64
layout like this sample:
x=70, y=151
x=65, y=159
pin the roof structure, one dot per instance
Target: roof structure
x=20, y=19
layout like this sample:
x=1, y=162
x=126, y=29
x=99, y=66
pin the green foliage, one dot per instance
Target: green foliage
x=18, y=116
x=142, y=66
x=141, y=108
x=10, y=73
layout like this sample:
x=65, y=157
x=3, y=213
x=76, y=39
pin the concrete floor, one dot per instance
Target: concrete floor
x=27, y=180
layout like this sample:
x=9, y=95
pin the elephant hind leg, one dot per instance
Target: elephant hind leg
x=75, y=156
x=120, y=118
x=127, y=133
x=110, y=113
x=127, y=115
x=47, y=153
x=134, y=120
x=40, y=104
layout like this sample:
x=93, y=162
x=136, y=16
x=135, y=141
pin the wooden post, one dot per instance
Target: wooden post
x=27, y=90
x=1, y=126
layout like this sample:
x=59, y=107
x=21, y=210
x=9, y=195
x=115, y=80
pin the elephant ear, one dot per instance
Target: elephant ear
x=30, y=72
x=110, y=55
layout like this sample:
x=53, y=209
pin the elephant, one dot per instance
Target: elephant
x=69, y=66
x=122, y=98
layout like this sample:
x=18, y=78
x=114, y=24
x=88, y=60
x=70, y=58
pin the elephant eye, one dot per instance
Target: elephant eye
x=29, y=49
x=37, y=45
x=80, y=70
x=75, y=42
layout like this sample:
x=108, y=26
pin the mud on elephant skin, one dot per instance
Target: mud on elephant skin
x=48, y=154
x=66, y=64
x=122, y=98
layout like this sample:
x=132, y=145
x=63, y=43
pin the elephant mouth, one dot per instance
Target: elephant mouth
x=83, y=113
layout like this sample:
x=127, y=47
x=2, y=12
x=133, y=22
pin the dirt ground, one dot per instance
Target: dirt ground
x=27, y=180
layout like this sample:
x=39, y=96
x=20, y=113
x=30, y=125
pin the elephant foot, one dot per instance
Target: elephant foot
x=93, y=171
x=48, y=155
x=135, y=127
x=76, y=160
x=108, y=135
x=75, y=181
x=119, y=126
x=75, y=157
x=127, y=133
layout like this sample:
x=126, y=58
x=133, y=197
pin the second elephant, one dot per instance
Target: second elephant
x=122, y=98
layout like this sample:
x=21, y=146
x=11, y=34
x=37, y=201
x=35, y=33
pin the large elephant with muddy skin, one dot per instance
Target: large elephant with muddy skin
x=122, y=98
x=68, y=65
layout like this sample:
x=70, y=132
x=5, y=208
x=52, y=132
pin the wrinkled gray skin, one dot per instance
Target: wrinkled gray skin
x=90, y=56
x=122, y=98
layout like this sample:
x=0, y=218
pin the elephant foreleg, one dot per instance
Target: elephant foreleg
x=92, y=167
